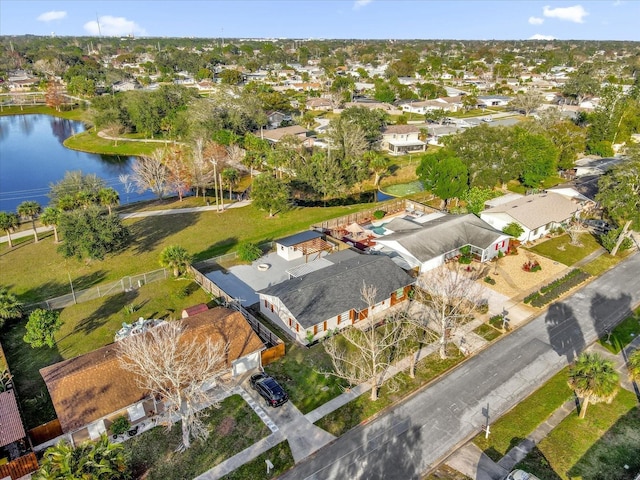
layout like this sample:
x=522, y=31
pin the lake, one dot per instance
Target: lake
x=32, y=157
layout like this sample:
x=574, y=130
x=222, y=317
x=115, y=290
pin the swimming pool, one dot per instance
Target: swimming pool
x=379, y=230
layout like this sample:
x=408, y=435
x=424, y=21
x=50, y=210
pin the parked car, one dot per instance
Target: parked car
x=599, y=226
x=269, y=389
x=521, y=475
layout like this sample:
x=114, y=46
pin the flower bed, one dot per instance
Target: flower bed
x=555, y=289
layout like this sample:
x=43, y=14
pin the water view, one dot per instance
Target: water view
x=32, y=157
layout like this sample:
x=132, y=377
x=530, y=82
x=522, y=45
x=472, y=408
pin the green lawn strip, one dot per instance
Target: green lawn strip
x=203, y=234
x=487, y=332
x=523, y=419
x=596, y=447
x=89, y=141
x=360, y=409
x=603, y=263
x=74, y=114
x=233, y=427
x=560, y=249
x=86, y=327
x=298, y=372
x=623, y=334
x=516, y=187
x=280, y=456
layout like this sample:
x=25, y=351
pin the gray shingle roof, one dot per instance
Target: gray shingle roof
x=333, y=290
x=299, y=238
x=444, y=234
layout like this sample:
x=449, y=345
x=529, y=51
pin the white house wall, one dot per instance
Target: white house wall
x=289, y=253
x=246, y=364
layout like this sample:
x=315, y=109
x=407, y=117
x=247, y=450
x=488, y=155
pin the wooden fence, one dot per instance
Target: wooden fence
x=19, y=467
x=45, y=432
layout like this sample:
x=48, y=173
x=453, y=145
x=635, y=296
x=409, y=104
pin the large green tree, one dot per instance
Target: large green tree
x=30, y=210
x=270, y=193
x=633, y=365
x=370, y=121
x=444, y=174
x=594, y=380
x=10, y=306
x=51, y=217
x=41, y=327
x=91, y=233
x=9, y=221
x=70, y=192
x=108, y=197
x=101, y=460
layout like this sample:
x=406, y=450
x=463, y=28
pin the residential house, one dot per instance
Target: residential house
x=276, y=134
x=426, y=245
x=493, y=100
x=310, y=306
x=91, y=390
x=425, y=106
x=322, y=104
x=402, y=139
x=302, y=244
x=276, y=118
x=537, y=214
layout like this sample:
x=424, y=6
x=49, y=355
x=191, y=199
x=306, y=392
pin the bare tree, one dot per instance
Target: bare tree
x=360, y=356
x=180, y=369
x=449, y=296
x=575, y=229
x=235, y=156
x=526, y=101
x=180, y=172
x=150, y=172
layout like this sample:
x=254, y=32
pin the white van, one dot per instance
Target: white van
x=521, y=475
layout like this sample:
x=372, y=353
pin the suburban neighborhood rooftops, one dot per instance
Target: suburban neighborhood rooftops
x=400, y=129
x=298, y=238
x=336, y=289
x=533, y=211
x=276, y=134
x=91, y=386
x=442, y=235
x=11, y=428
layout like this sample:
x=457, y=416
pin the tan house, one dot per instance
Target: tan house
x=89, y=391
x=402, y=139
x=276, y=134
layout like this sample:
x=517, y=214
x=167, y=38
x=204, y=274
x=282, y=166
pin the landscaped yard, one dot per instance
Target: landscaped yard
x=596, y=447
x=604, y=262
x=560, y=249
x=393, y=390
x=523, y=419
x=86, y=327
x=233, y=427
x=623, y=334
x=89, y=141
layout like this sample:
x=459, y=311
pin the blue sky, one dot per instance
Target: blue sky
x=426, y=19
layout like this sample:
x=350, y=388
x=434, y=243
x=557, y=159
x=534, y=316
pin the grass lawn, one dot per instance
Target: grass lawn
x=603, y=263
x=348, y=416
x=596, y=447
x=233, y=427
x=86, y=327
x=203, y=234
x=298, y=372
x=560, y=250
x=523, y=419
x=280, y=456
x=623, y=334
x=89, y=141
x=487, y=332
x=516, y=187
x=75, y=114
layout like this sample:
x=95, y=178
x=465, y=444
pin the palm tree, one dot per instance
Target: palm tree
x=8, y=222
x=378, y=163
x=633, y=365
x=593, y=379
x=30, y=210
x=175, y=257
x=51, y=216
x=108, y=197
x=10, y=307
x=101, y=460
x=230, y=177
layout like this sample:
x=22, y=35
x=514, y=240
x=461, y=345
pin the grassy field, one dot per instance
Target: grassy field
x=87, y=326
x=233, y=427
x=604, y=262
x=75, y=114
x=89, y=141
x=623, y=334
x=560, y=249
x=596, y=447
x=204, y=235
x=516, y=424
x=348, y=416
x=516, y=187
x=280, y=456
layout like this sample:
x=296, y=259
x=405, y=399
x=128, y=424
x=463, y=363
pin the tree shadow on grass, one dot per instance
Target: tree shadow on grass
x=538, y=464
x=111, y=305
x=148, y=232
x=602, y=307
x=619, y=446
x=219, y=248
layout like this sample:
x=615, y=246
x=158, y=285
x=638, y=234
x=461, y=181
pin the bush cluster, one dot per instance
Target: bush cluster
x=489, y=280
x=555, y=289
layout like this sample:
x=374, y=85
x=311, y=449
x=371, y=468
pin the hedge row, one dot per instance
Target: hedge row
x=555, y=289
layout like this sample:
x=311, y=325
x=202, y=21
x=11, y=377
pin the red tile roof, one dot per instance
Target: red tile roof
x=11, y=429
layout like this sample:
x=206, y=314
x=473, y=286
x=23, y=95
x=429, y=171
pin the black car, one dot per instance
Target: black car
x=269, y=389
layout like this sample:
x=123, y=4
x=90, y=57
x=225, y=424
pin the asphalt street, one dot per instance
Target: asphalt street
x=416, y=435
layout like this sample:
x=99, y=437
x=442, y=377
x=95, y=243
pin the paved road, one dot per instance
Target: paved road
x=419, y=433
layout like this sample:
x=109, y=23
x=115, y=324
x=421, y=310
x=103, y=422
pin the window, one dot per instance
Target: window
x=272, y=307
x=399, y=293
x=339, y=319
x=266, y=304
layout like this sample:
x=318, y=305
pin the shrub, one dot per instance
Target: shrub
x=529, y=298
x=120, y=425
x=555, y=289
x=496, y=321
x=248, y=252
x=531, y=266
x=489, y=280
x=378, y=214
x=482, y=307
x=609, y=239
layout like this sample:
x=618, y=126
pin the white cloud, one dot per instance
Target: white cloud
x=113, y=27
x=53, y=15
x=571, y=14
x=536, y=20
x=539, y=36
x=360, y=3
